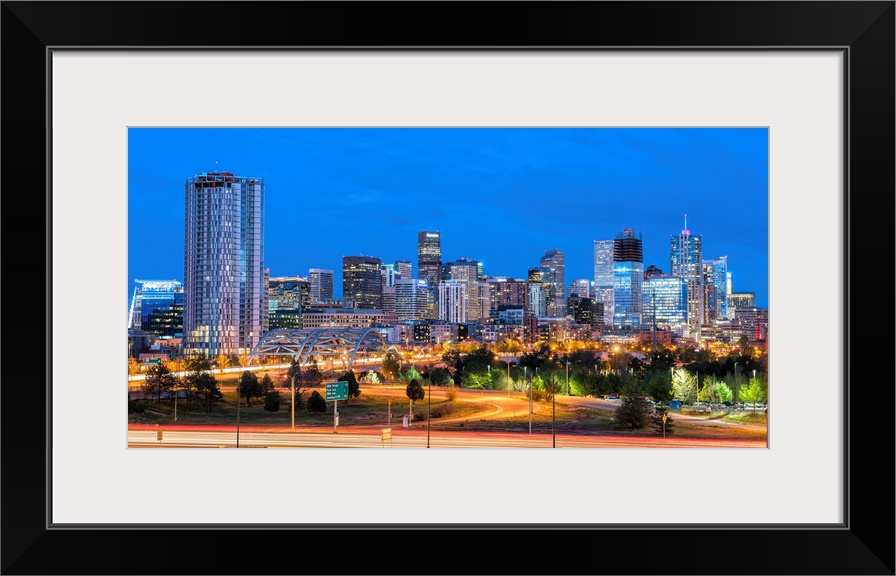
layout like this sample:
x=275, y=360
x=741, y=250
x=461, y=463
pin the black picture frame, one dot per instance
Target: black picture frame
x=864, y=544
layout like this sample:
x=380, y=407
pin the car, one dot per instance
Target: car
x=728, y=404
x=613, y=397
x=675, y=404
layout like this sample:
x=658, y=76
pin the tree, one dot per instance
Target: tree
x=752, y=392
x=196, y=366
x=723, y=392
x=316, y=402
x=440, y=377
x=267, y=383
x=371, y=377
x=411, y=374
x=272, y=400
x=391, y=365
x=633, y=412
x=414, y=392
x=656, y=420
x=243, y=360
x=659, y=385
x=207, y=388
x=354, y=389
x=133, y=366
x=223, y=362
x=684, y=386
x=159, y=380
x=249, y=387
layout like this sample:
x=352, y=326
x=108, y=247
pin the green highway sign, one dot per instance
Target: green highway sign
x=337, y=391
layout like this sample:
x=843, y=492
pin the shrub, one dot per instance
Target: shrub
x=634, y=412
x=136, y=407
x=316, y=402
x=443, y=410
x=272, y=400
x=452, y=394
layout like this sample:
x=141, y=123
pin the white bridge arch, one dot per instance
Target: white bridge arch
x=335, y=343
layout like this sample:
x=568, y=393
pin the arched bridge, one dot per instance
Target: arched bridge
x=336, y=343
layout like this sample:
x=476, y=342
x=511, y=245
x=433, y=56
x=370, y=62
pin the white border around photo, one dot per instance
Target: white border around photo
x=96, y=96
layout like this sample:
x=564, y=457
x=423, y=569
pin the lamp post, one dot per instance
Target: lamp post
x=735, y=382
x=238, y=382
x=428, y=412
x=554, y=411
x=293, y=401
x=567, y=377
x=530, y=404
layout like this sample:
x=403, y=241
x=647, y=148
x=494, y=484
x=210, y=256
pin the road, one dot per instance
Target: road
x=402, y=438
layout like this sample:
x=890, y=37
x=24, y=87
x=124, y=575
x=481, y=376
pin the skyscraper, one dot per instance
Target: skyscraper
x=554, y=260
x=715, y=272
x=152, y=296
x=453, y=300
x=603, y=277
x=580, y=288
x=225, y=302
x=412, y=299
x=469, y=272
x=429, y=264
x=404, y=268
x=628, y=276
x=288, y=293
x=362, y=282
x=664, y=302
x=542, y=277
x=321, y=284
x=686, y=262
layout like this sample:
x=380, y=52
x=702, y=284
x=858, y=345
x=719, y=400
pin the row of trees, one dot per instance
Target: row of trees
x=584, y=374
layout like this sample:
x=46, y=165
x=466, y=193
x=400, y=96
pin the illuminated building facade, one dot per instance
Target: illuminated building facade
x=664, y=302
x=225, y=301
x=628, y=276
x=603, y=277
x=362, y=282
x=321, y=284
x=429, y=264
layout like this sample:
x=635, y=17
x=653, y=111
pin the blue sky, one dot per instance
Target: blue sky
x=499, y=195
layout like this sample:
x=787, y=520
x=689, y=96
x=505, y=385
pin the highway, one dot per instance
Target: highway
x=403, y=438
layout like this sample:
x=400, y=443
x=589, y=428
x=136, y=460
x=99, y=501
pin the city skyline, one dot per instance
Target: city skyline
x=500, y=196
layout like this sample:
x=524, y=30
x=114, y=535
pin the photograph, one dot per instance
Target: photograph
x=448, y=287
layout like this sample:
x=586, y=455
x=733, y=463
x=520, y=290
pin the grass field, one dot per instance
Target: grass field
x=373, y=406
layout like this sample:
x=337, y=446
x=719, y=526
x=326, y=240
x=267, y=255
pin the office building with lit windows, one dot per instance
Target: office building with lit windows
x=225, y=301
x=470, y=273
x=429, y=265
x=664, y=301
x=715, y=272
x=603, y=277
x=555, y=262
x=288, y=293
x=628, y=276
x=507, y=292
x=404, y=269
x=412, y=299
x=581, y=288
x=362, y=282
x=453, y=300
x=686, y=262
x=321, y=284
x=163, y=299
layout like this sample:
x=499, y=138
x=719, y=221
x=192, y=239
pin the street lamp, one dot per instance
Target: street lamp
x=735, y=382
x=428, y=412
x=554, y=411
x=567, y=377
x=293, y=401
